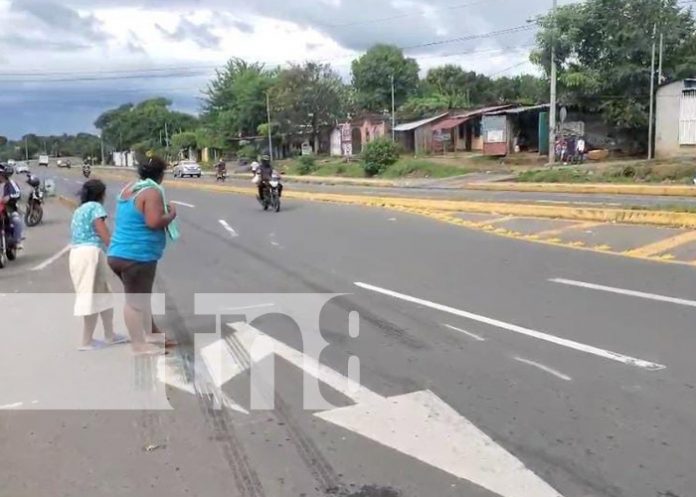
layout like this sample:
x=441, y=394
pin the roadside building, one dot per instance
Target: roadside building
x=675, y=119
x=349, y=138
x=461, y=132
x=417, y=137
x=515, y=129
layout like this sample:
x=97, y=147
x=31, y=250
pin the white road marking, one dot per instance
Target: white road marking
x=467, y=333
x=623, y=291
x=51, y=259
x=229, y=228
x=547, y=369
x=392, y=219
x=275, y=244
x=564, y=342
x=12, y=406
x=418, y=424
x=184, y=204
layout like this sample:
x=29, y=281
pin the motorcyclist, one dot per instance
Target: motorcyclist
x=86, y=169
x=265, y=172
x=221, y=168
x=10, y=196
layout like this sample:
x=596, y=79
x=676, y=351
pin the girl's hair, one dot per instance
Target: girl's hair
x=152, y=169
x=92, y=191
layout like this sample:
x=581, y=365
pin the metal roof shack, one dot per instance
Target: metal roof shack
x=515, y=129
x=417, y=136
x=417, y=124
x=519, y=110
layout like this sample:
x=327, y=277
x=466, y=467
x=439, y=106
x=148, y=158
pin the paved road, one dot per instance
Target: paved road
x=587, y=380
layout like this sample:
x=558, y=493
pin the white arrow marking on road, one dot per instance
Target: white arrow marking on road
x=571, y=344
x=418, y=424
x=184, y=204
x=229, y=228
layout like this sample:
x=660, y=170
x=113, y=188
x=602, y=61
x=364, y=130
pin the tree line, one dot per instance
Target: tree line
x=603, y=55
x=306, y=98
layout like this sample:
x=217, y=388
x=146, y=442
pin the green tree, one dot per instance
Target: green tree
x=186, y=140
x=603, y=50
x=147, y=124
x=307, y=96
x=235, y=100
x=451, y=84
x=372, y=73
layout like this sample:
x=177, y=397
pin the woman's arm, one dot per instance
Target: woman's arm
x=102, y=230
x=153, y=210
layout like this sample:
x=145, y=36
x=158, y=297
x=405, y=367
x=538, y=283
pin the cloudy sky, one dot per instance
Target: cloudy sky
x=63, y=62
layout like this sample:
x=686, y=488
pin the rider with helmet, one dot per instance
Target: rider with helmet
x=10, y=195
x=265, y=173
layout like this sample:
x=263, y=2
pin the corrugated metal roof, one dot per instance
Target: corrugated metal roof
x=518, y=110
x=482, y=111
x=450, y=123
x=417, y=124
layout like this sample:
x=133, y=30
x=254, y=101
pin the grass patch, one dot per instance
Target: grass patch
x=404, y=168
x=419, y=168
x=638, y=172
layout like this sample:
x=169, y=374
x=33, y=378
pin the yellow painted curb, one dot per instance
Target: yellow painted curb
x=596, y=214
x=610, y=189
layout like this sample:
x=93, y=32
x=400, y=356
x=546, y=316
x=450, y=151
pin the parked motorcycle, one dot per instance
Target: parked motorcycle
x=34, y=212
x=8, y=243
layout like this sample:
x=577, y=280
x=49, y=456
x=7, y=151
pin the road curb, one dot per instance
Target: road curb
x=607, y=215
x=608, y=189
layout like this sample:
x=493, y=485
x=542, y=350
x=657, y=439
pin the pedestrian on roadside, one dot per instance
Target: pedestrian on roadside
x=580, y=147
x=144, y=220
x=88, y=267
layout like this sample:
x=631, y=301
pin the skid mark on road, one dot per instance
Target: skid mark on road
x=624, y=291
x=564, y=342
x=544, y=368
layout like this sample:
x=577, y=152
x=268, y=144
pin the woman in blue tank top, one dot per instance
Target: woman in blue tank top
x=137, y=244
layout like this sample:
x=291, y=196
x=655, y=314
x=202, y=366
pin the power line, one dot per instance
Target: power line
x=405, y=15
x=491, y=34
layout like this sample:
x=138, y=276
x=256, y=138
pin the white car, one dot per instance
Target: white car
x=187, y=168
x=21, y=167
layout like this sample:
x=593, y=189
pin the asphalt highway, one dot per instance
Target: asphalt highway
x=487, y=366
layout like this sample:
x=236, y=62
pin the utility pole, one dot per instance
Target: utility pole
x=553, y=103
x=26, y=149
x=393, y=109
x=166, y=136
x=270, y=130
x=660, y=77
x=102, y=150
x=652, y=96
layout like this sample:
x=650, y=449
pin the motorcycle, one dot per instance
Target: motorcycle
x=271, y=194
x=8, y=243
x=86, y=172
x=34, y=213
x=221, y=176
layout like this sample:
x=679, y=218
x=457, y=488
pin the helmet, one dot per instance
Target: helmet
x=265, y=158
x=33, y=181
x=9, y=171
